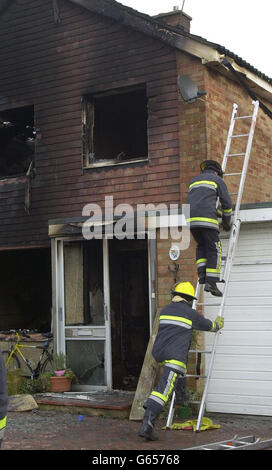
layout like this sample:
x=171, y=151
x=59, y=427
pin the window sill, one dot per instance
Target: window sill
x=13, y=179
x=111, y=163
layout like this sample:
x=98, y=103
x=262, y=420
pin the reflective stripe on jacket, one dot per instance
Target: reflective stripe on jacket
x=204, y=190
x=177, y=321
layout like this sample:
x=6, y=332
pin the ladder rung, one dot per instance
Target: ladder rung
x=243, y=117
x=232, y=174
x=239, y=135
x=233, y=194
x=236, y=154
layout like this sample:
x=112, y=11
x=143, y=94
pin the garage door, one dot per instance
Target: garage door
x=242, y=375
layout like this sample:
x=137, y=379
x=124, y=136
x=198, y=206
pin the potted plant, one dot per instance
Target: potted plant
x=61, y=379
x=59, y=364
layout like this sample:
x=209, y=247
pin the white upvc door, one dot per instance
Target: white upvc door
x=87, y=345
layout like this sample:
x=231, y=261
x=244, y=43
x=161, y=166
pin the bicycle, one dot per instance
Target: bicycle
x=44, y=364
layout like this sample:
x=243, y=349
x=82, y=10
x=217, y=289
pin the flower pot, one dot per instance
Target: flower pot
x=60, y=384
x=59, y=372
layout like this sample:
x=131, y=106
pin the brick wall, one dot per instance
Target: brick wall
x=51, y=66
x=222, y=93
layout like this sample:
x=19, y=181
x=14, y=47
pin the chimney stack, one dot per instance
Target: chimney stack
x=176, y=18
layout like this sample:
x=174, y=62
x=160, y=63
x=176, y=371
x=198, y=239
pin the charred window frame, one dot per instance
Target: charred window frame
x=115, y=127
x=17, y=141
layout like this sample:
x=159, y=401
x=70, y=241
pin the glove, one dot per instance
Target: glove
x=219, y=322
x=226, y=225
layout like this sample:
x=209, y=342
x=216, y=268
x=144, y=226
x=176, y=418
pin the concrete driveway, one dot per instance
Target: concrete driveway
x=58, y=430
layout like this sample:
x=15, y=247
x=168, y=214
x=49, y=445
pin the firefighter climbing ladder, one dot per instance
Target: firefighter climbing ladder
x=234, y=233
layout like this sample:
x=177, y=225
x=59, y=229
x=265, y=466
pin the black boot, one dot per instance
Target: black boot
x=201, y=278
x=213, y=289
x=147, y=428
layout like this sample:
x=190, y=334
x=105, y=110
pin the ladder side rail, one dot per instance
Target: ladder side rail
x=227, y=271
x=246, y=160
x=171, y=411
x=230, y=132
x=229, y=261
x=205, y=391
x=236, y=224
x=231, y=250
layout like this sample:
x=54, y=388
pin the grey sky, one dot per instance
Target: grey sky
x=242, y=26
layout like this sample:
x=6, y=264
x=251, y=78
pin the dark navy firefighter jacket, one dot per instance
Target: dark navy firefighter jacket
x=177, y=321
x=204, y=190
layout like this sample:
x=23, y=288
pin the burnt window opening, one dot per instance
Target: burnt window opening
x=115, y=127
x=17, y=140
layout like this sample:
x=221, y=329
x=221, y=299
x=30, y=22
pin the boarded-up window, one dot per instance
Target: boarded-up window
x=115, y=127
x=17, y=140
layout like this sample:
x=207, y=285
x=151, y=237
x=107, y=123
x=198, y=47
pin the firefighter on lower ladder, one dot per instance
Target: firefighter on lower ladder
x=170, y=350
x=204, y=190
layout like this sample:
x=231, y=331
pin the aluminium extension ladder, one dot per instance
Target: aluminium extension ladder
x=234, y=233
x=242, y=443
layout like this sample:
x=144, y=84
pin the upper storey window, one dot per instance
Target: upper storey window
x=115, y=127
x=17, y=140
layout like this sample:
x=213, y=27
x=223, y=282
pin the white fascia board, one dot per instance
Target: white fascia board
x=256, y=215
x=251, y=76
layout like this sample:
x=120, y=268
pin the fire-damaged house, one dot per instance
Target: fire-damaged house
x=91, y=117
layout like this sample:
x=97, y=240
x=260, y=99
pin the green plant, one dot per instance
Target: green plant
x=71, y=375
x=59, y=361
x=32, y=386
x=45, y=381
x=14, y=381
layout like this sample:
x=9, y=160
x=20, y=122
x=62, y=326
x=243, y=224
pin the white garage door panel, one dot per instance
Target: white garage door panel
x=241, y=399
x=246, y=268
x=245, y=338
x=252, y=325
x=251, y=289
x=247, y=300
x=244, y=273
x=242, y=387
x=242, y=375
x=240, y=408
x=247, y=363
x=251, y=276
x=238, y=313
x=244, y=350
x=253, y=254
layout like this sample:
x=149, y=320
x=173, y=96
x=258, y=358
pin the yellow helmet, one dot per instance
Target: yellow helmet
x=184, y=288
